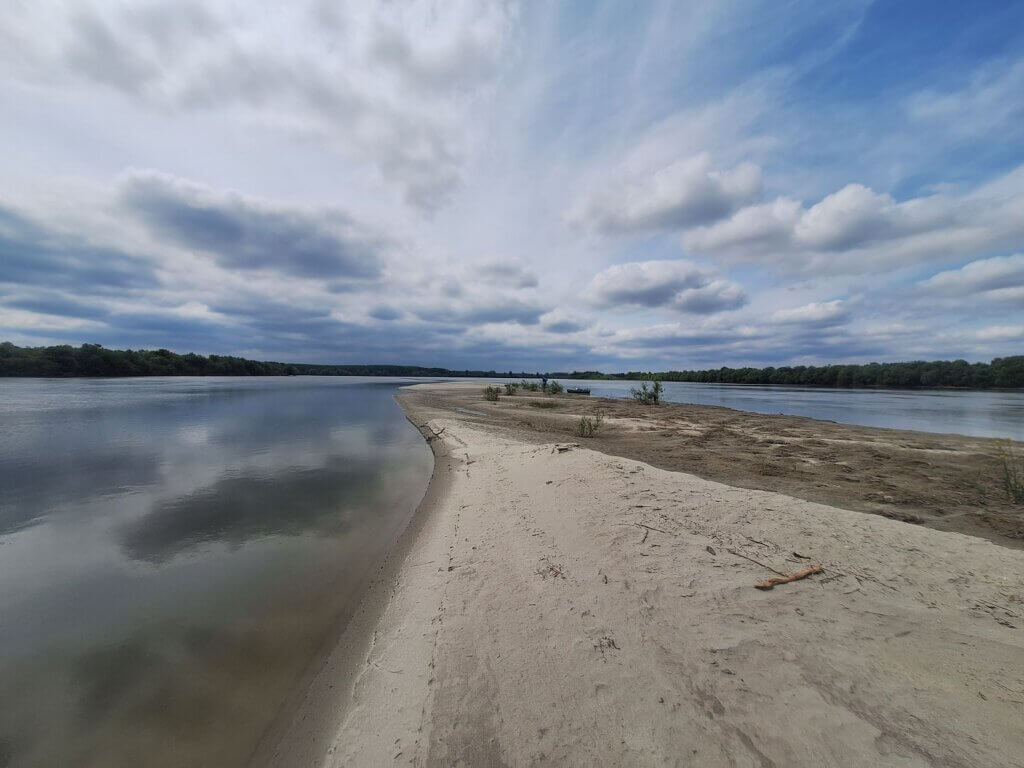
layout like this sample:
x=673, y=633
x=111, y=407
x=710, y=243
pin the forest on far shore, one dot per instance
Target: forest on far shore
x=94, y=360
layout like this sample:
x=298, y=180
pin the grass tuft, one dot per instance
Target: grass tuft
x=589, y=426
x=1013, y=473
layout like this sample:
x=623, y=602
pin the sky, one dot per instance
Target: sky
x=535, y=186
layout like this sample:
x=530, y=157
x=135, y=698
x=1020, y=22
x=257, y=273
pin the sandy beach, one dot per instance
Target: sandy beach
x=555, y=603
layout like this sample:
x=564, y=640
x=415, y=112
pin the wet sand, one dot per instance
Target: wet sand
x=551, y=603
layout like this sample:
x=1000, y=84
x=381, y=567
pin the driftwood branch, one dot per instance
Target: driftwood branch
x=769, y=583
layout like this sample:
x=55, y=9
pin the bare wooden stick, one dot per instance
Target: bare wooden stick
x=652, y=528
x=756, y=562
x=769, y=583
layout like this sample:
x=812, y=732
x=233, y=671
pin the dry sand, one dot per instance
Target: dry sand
x=578, y=608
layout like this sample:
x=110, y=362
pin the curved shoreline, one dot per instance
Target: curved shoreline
x=570, y=606
x=302, y=733
x=550, y=602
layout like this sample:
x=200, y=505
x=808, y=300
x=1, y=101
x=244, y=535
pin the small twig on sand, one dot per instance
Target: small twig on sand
x=769, y=583
x=757, y=562
x=647, y=532
x=802, y=557
x=385, y=669
x=652, y=528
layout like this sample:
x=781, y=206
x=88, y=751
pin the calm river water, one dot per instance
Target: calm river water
x=174, y=552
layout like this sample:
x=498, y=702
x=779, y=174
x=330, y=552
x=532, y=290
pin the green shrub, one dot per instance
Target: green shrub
x=529, y=386
x=491, y=393
x=1013, y=473
x=510, y=389
x=555, y=388
x=589, y=426
x=651, y=396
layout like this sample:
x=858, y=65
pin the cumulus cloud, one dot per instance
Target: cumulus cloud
x=241, y=233
x=1000, y=278
x=679, y=285
x=853, y=217
x=857, y=229
x=682, y=194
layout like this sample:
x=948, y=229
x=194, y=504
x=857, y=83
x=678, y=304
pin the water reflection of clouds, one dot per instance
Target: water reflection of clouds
x=245, y=494
x=240, y=507
x=36, y=487
x=61, y=463
x=194, y=434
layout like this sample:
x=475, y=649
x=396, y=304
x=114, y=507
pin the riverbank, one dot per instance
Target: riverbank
x=943, y=481
x=555, y=603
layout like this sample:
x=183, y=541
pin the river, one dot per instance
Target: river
x=174, y=552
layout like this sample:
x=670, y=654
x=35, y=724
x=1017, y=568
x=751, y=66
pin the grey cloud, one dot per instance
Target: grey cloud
x=466, y=62
x=559, y=324
x=35, y=254
x=172, y=25
x=385, y=313
x=97, y=52
x=130, y=53
x=244, y=234
x=54, y=303
x=507, y=275
x=716, y=296
x=500, y=311
x=680, y=285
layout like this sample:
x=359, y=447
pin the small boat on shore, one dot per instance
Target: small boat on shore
x=577, y=391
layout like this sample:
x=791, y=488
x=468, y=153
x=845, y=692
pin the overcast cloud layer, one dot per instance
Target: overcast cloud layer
x=536, y=186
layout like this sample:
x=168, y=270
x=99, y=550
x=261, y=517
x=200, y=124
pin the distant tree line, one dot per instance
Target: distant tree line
x=95, y=360
x=1001, y=373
